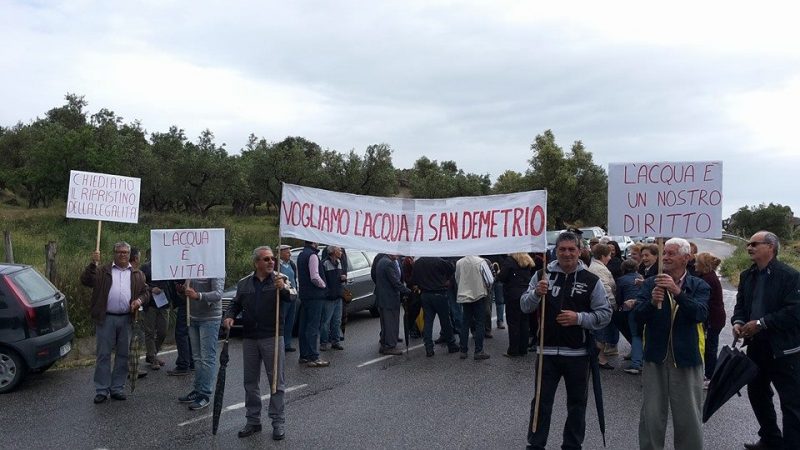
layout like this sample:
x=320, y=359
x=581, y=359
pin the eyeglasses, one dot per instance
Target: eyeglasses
x=121, y=252
x=267, y=259
x=756, y=244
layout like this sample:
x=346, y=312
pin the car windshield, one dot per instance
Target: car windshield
x=620, y=239
x=35, y=286
x=552, y=236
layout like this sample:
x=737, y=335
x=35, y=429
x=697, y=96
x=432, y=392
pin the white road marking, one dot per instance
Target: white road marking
x=237, y=406
x=383, y=358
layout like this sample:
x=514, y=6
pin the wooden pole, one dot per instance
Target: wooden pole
x=9, y=247
x=540, y=356
x=276, y=350
x=99, y=228
x=50, y=251
x=188, y=285
x=660, y=260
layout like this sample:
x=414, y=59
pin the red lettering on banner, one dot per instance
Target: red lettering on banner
x=505, y=221
x=516, y=229
x=419, y=229
x=191, y=271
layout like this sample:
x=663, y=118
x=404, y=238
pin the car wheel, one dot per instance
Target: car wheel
x=374, y=312
x=12, y=370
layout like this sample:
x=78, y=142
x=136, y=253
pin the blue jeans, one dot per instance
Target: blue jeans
x=612, y=334
x=308, y=335
x=203, y=335
x=455, y=310
x=288, y=323
x=336, y=323
x=636, y=345
x=499, y=301
x=184, y=360
x=328, y=308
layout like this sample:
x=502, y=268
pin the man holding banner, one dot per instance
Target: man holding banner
x=118, y=289
x=575, y=303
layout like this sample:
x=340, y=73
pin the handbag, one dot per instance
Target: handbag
x=347, y=295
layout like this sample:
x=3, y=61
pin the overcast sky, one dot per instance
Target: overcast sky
x=469, y=81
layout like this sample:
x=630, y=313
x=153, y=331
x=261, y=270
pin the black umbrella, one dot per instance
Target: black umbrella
x=597, y=388
x=733, y=371
x=219, y=391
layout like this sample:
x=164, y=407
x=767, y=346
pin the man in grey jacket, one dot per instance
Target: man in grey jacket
x=575, y=302
x=205, y=310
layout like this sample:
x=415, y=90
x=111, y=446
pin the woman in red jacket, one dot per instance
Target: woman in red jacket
x=706, y=266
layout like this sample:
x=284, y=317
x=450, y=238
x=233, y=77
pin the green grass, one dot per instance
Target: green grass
x=31, y=229
x=740, y=260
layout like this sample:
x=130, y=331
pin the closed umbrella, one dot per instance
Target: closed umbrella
x=733, y=371
x=134, y=352
x=219, y=391
x=597, y=388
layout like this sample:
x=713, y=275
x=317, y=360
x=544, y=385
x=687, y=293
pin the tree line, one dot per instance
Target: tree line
x=181, y=175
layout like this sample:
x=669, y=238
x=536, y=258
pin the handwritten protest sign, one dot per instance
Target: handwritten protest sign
x=100, y=196
x=187, y=254
x=492, y=224
x=670, y=199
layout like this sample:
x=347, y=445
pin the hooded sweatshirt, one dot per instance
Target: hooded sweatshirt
x=580, y=291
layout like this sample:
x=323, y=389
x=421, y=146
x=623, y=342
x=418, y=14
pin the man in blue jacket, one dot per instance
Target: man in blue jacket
x=767, y=315
x=672, y=306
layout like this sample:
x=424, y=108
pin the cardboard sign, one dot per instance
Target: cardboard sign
x=187, y=254
x=100, y=196
x=488, y=225
x=665, y=199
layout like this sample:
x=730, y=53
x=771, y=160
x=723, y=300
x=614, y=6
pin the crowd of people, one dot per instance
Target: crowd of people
x=589, y=293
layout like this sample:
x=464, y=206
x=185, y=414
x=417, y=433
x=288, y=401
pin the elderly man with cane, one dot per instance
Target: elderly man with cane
x=257, y=299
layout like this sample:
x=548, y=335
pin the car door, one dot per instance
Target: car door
x=359, y=281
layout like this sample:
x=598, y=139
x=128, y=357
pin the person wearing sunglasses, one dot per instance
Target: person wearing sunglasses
x=256, y=299
x=767, y=316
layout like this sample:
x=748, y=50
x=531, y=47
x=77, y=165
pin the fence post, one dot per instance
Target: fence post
x=50, y=263
x=9, y=247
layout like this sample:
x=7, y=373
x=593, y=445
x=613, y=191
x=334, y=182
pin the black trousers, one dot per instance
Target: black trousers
x=784, y=373
x=575, y=371
x=518, y=326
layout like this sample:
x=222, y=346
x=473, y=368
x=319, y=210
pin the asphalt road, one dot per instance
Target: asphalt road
x=362, y=400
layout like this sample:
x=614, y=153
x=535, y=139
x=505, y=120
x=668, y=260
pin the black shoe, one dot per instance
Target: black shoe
x=189, y=398
x=141, y=375
x=606, y=366
x=488, y=335
x=290, y=349
x=760, y=445
x=441, y=340
x=337, y=346
x=429, y=353
x=199, y=403
x=119, y=396
x=278, y=433
x=453, y=349
x=480, y=356
x=249, y=429
x=100, y=398
x=399, y=339
x=178, y=372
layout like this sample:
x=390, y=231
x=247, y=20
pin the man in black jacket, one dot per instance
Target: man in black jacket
x=432, y=277
x=256, y=299
x=767, y=315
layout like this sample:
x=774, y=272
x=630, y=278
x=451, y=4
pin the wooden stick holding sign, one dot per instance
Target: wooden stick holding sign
x=660, y=260
x=99, y=227
x=188, y=319
x=540, y=355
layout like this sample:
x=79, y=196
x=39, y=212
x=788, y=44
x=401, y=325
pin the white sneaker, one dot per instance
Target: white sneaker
x=633, y=371
x=706, y=382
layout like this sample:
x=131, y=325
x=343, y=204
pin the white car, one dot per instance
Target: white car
x=625, y=242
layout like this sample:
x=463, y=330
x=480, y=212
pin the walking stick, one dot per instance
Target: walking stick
x=188, y=285
x=540, y=356
x=276, y=350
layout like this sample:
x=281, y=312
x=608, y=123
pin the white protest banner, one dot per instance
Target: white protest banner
x=187, y=254
x=488, y=225
x=665, y=199
x=100, y=196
